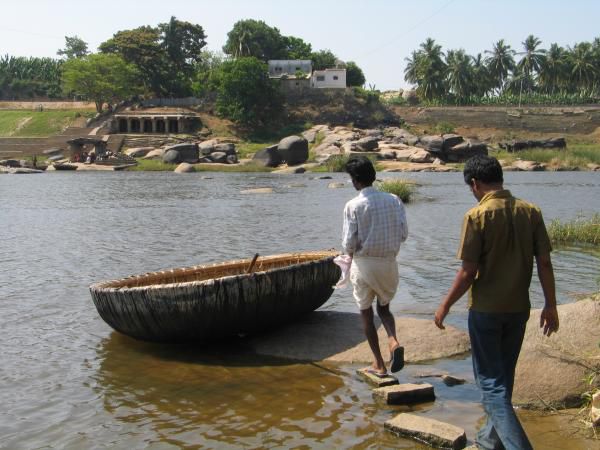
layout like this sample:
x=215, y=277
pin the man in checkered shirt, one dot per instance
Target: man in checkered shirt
x=374, y=227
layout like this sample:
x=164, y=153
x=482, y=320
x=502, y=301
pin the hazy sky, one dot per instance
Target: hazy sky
x=378, y=35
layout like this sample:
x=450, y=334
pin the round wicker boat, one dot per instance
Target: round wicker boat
x=214, y=301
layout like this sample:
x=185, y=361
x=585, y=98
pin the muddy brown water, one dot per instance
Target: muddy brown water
x=68, y=381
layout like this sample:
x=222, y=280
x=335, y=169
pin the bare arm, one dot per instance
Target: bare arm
x=462, y=282
x=549, y=317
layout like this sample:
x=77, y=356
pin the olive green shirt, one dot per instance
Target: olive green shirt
x=502, y=234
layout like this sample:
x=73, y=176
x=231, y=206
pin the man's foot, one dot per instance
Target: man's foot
x=375, y=372
x=397, y=362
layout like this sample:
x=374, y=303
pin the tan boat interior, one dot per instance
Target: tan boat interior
x=219, y=270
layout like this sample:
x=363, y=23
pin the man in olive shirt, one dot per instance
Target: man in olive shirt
x=500, y=238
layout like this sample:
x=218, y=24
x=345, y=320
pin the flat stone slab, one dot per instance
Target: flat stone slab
x=373, y=379
x=338, y=337
x=430, y=431
x=402, y=394
x=266, y=190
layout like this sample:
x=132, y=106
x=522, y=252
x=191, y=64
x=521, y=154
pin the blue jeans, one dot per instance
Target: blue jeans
x=496, y=340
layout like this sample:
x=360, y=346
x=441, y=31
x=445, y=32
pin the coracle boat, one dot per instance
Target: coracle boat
x=209, y=302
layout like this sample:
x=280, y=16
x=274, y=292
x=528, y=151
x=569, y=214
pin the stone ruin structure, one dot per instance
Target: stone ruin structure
x=153, y=122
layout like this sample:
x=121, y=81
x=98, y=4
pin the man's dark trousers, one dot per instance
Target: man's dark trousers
x=496, y=340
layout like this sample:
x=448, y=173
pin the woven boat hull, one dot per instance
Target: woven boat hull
x=194, y=304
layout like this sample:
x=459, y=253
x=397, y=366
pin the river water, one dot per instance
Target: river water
x=68, y=381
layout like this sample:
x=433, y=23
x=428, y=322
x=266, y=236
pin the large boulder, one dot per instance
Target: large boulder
x=172, y=157
x=138, y=152
x=421, y=156
x=451, y=140
x=218, y=157
x=551, y=371
x=293, y=150
x=226, y=147
x=207, y=147
x=155, y=154
x=433, y=144
x=268, y=157
x=368, y=143
x=187, y=153
x=465, y=150
x=184, y=168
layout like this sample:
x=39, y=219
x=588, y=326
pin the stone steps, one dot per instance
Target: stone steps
x=430, y=431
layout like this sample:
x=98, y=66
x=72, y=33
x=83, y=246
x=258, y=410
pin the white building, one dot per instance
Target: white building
x=328, y=78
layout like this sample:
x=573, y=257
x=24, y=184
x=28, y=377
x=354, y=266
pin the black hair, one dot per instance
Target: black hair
x=361, y=170
x=483, y=168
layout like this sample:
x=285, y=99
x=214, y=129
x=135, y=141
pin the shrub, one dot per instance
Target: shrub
x=402, y=188
x=581, y=230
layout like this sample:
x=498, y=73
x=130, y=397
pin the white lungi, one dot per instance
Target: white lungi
x=373, y=277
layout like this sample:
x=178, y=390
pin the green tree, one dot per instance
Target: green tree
x=255, y=38
x=354, y=74
x=531, y=62
x=553, y=70
x=75, y=47
x=296, y=48
x=205, y=69
x=245, y=94
x=142, y=48
x=481, y=76
x=583, y=68
x=427, y=70
x=183, y=42
x=101, y=78
x=500, y=63
x=323, y=59
x=460, y=74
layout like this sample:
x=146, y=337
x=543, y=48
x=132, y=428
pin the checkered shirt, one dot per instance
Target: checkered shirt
x=374, y=224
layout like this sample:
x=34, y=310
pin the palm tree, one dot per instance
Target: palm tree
x=500, y=63
x=583, y=69
x=531, y=62
x=459, y=74
x=481, y=76
x=552, y=72
x=411, y=72
x=431, y=70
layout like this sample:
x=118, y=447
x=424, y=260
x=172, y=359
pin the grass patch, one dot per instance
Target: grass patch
x=574, y=156
x=19, y=123
x=579, y=231
x=402, y=188
x=152, y=165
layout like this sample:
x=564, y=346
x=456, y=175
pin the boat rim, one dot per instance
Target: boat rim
x=123, y=284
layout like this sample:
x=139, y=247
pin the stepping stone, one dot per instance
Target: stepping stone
x=450, y=380
x=380, y=382
x=401, y=394
x=431, y=431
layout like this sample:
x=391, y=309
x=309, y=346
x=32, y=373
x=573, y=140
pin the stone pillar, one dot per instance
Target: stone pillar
x=166, y=120
x=128, y=125
x=154, y=124
x=180, y=126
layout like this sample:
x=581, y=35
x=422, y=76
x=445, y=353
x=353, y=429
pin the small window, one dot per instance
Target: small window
x=335, y=77
x=320, y=77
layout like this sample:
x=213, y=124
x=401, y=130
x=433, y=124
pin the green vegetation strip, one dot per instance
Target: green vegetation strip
x=577, y=155
x=581, y=231
x=20, y=123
